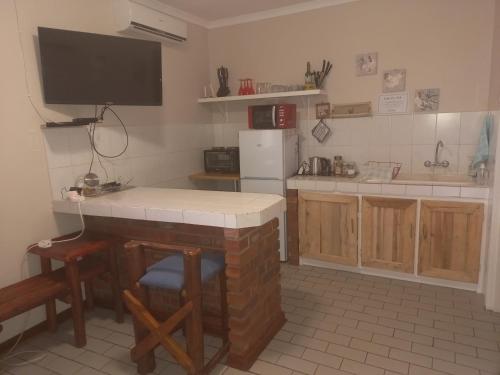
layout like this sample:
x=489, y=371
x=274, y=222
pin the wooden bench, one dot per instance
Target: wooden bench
x=24, y=295
x=41, y=289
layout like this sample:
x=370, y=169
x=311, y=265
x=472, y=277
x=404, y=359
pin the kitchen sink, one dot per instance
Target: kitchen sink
x=431, y=179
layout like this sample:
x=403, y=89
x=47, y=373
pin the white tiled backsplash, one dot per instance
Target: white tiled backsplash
x=156, y=155
x=166, y=155
x=408, y=139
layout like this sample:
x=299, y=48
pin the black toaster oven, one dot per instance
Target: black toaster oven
x=222, y=159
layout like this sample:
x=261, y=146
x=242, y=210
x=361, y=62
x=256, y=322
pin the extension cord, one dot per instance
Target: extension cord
x=77, y=198
x=45, y=244
x=73, y=196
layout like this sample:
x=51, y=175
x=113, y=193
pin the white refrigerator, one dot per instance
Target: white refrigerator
x=267, y=159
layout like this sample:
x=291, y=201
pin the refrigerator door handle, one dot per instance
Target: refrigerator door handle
x=273, y=115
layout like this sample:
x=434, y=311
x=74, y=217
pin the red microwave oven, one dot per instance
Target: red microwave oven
x=277, y=116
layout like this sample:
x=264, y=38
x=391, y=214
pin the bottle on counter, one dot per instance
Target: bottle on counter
x=338, y=165
x=328, y=167
x=482, y=174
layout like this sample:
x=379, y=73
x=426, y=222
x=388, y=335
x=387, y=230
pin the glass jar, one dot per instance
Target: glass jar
x=337, y=165
x=349, y=169
x=482, y=174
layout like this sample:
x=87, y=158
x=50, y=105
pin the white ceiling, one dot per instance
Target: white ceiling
x=212, y=10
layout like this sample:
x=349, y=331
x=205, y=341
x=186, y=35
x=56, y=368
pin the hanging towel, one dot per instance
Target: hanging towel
x=483, y=149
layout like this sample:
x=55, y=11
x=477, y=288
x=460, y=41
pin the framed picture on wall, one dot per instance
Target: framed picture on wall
x=322, y=110
x=394, y=80
x=427, y=100
x=366, y=64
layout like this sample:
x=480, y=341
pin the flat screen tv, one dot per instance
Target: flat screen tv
x=84, y=68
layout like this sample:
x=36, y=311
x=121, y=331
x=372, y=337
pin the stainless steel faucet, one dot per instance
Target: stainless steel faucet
x=436, y=162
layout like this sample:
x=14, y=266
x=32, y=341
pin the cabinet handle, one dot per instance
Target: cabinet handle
x=411, y=231
x=424, y=231
x=352, y=226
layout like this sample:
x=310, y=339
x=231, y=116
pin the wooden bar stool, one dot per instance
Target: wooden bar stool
x=185, y=271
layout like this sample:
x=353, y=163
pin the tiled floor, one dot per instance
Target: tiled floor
x=338, y=323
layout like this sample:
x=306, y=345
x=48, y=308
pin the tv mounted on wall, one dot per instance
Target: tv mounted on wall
x=84, y=68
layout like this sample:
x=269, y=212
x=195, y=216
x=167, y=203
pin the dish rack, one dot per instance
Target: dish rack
x=396, y=167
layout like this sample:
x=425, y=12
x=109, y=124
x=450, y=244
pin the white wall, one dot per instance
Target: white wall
x=165, y=141
x=445, y=44
x=494, y=99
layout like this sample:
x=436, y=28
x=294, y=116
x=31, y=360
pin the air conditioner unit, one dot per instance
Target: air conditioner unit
x=131, y=16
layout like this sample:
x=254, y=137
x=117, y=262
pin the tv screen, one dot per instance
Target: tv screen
x=84, y=68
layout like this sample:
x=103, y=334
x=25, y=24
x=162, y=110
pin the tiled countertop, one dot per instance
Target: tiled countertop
x=415, y=188
x=201, y=207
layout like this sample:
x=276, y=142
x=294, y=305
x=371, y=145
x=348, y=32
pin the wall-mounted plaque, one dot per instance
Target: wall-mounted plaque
x=352, y=110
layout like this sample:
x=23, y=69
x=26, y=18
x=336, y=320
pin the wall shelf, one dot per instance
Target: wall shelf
x=272, y=95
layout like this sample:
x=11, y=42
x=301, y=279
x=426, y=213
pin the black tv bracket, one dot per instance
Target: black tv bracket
x=79, y=121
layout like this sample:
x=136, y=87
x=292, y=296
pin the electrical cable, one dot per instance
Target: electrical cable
x=23, y=57
x=93, y=148
x=89, y=131
x=93, y=145
x=82, y=231
x=44, y=353
x=103, y=168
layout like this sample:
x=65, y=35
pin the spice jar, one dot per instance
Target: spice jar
x=349, y=169
x=337, y=165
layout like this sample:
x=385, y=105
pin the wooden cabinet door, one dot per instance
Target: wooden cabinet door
x=328, y=227
x=450, y=240
x=388, y=233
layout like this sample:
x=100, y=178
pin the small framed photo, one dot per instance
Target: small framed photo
x=322, y=110
x=394, y=80
x=427, y=100
x=366, y=64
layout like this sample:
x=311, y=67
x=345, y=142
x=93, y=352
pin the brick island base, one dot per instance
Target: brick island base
x=252, y=269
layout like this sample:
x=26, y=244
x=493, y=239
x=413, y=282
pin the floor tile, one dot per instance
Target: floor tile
x=360, y=368
x=94, y=360
x=388, y=363
x=344, y=352
x=30, y=369
x=369, y=347
x=301, y=365
x=264, y=368
x=119, y=368
x=453, y=368
x=60, y=365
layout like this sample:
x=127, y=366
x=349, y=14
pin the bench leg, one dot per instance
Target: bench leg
x=115, y=284
x=51, y=313
x=73, y=279
x=50, y=306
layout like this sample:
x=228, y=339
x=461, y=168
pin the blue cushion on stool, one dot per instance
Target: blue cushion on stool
x=169, y=272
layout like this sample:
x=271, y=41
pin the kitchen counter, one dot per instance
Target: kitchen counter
x=404, y=185
x=200, y=207
x=243, y=226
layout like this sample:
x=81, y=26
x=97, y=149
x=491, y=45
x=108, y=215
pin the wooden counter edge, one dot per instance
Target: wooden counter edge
x=217, y=176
